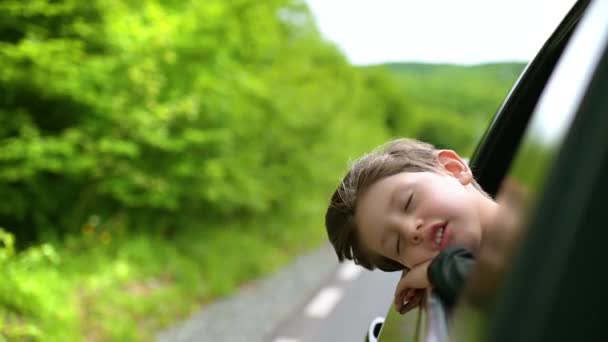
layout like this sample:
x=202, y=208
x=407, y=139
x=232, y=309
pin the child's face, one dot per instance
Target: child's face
x=411, y=216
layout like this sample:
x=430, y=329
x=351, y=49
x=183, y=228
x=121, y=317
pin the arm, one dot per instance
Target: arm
x=448, y=272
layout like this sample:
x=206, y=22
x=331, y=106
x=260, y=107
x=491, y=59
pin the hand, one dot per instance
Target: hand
x=411, y=288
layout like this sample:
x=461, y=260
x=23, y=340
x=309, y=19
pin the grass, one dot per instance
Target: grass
x=127, y=286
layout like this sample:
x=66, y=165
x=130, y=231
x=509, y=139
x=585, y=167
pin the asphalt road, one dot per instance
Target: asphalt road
x=312, y=299
x=342, y=309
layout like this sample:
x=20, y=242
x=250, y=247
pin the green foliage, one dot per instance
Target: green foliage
x=157, y=154
x=35, y=298
x=135, y=284
x=170, y=112
x=7, y=249
x=451, y=105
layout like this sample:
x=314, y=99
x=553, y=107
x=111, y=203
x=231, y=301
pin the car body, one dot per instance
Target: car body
x=547, y=151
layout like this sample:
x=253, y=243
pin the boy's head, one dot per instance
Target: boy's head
x=366, y=222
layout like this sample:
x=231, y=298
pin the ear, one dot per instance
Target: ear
x=455, y=166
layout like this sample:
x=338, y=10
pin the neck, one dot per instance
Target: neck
x=488, y=210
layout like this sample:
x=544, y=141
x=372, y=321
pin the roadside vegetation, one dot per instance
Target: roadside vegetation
x=155, y=155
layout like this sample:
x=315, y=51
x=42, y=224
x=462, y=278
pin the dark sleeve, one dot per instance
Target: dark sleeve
x=448, y=272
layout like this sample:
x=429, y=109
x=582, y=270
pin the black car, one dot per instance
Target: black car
x=546, y=151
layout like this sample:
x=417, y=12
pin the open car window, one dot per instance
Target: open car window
x=517, y=154
x=539, y=280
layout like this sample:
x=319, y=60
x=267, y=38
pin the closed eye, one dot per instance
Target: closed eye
x=409, y=201
x=397, y=247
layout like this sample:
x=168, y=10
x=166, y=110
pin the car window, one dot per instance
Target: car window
x=518, y=288
x=492, y=159
x=496, y=149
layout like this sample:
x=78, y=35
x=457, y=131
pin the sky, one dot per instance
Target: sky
x=438, y=31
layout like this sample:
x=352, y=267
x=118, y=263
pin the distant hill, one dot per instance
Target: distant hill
x=449, y=105
x=460, y=89
x=424, y=68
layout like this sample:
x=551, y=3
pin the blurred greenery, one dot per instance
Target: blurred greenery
x=157, y=154
x=452, y=104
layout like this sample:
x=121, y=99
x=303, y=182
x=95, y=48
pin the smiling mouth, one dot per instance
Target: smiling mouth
x=439, y=236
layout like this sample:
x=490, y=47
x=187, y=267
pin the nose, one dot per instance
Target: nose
x=414, y=236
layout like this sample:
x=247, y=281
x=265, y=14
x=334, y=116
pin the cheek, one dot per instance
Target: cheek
x=466, y=231
x=451, y=204
x=455, y=199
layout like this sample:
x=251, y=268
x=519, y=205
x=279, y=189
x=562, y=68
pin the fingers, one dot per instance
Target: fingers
x=404, y=298
x=401, y=298
x=408, y=299
x=411, y=287
x=414, y=302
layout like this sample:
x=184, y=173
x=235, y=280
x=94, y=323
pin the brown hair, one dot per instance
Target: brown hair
x=396, y=156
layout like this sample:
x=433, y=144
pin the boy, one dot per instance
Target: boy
x=409, y=206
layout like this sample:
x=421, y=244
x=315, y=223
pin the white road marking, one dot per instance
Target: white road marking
x=349, y=271
x=285, y=339
x=324, y=302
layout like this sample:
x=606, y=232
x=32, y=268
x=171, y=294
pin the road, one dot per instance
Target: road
x=311, y=299
x=342, y=309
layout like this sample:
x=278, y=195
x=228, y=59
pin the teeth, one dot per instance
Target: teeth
x=439, y=236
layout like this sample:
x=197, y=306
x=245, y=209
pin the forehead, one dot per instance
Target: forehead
x=381, y=191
